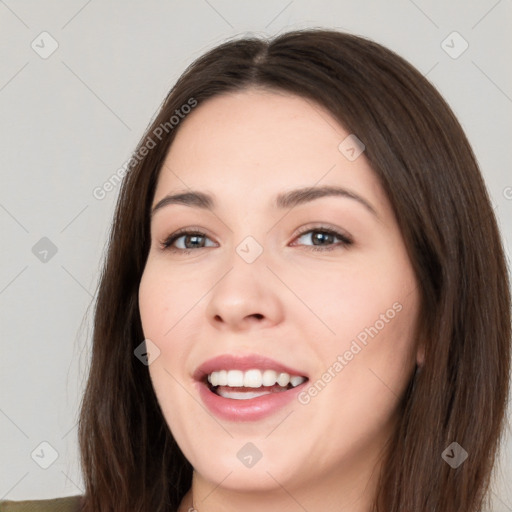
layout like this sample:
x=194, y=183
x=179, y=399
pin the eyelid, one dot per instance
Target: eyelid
x=325, y=227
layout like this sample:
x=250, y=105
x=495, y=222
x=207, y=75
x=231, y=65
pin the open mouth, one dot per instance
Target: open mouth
x=245, y=385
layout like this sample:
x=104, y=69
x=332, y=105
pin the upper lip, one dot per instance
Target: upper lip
x=243, y=363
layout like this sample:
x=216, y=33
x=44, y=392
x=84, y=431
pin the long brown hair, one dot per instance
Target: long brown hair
x=427, y=168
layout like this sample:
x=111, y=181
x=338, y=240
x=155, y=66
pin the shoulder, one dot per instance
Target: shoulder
x=69, y=504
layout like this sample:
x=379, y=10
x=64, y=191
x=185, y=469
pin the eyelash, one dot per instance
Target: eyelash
x=345, y=240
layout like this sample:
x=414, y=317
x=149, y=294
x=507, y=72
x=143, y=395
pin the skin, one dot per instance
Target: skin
x=300, y=306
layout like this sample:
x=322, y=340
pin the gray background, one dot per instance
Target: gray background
x=70, y=120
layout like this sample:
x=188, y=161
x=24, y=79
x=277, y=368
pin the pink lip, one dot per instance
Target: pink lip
x=244, y=410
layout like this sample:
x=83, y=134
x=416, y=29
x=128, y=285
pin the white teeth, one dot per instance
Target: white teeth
x=269, y=378
x=283, y=379
x=253, y=379
x=241, y=395
x=223, y=378
x=295, y=380
x=235, y=378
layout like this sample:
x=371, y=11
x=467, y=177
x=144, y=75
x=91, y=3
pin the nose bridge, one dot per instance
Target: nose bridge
x=246, y=276
x=245, y=293
x=249, y=252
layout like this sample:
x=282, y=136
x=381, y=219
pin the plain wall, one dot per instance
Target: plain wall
x=69, y=121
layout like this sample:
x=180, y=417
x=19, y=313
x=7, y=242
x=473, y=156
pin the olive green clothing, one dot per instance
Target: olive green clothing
x=69, y=504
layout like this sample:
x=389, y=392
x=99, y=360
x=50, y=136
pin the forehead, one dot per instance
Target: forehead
x=256, y=143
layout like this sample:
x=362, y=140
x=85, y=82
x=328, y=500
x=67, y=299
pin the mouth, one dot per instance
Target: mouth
x=246, y=385
x=247, y=388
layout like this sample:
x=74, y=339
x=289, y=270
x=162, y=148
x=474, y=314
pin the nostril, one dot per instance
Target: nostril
x=257, y=316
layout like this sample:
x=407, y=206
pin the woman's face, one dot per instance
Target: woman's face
x=295, y=265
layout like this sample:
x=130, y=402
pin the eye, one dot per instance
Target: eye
x=185, y=240
x=322, y=238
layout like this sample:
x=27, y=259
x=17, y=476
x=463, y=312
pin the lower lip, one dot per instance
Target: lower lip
x=252, y=409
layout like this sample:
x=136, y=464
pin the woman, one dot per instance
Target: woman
x=305, y=303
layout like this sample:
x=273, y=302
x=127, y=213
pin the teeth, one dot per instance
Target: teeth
x=295, y=380
x=223, y=378
x=269, y=378
x=283, y=379
x=253, y=379
x=235, y=378
x=241, y=395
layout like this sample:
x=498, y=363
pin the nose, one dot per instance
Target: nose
x=246, y=297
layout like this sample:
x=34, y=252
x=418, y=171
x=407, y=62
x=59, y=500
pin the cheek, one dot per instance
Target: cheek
x=342, y=302
x=164, y=298
x=362, y=372
x=367, y=350
x=166, y=305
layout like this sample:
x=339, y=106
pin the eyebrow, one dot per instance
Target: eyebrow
x=288, y=199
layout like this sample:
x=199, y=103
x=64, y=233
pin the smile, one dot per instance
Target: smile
x=239, y=385
x=247, y=388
